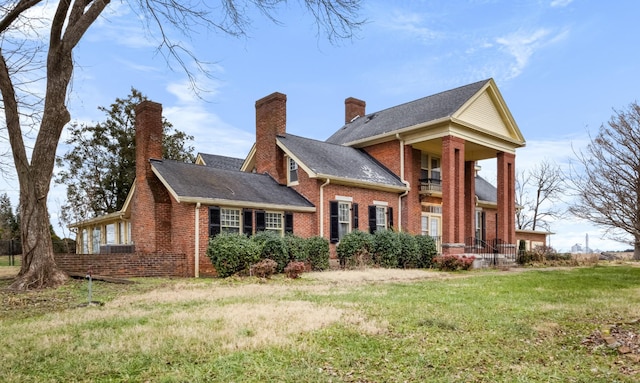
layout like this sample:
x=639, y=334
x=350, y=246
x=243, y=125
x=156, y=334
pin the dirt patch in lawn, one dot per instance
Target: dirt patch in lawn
x=374, y=275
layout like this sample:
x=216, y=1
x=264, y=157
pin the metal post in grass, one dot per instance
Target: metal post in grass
x=89, y=278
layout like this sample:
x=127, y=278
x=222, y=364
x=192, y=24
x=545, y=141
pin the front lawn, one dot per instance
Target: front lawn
x=478, y=326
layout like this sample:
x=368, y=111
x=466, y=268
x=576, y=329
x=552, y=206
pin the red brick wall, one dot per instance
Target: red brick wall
x=453, y=214
x=271, y=120
x=411, y=208
x=506, y=197
x=125, y=265
x=387, y=153
x=490, y=219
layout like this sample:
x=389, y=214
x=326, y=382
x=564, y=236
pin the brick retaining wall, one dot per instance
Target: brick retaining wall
x=125, y=265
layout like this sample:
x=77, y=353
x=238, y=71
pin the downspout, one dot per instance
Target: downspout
x=405, y=182
x=197, y=235
x=322, y=206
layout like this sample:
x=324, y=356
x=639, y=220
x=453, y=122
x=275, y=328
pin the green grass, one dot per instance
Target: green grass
x=471, y=327
x=5, y=260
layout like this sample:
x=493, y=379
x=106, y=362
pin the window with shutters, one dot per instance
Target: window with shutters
x=293, y=172
x=229, y=220
x=381, y=217
x=344, y=219
x=273, y=222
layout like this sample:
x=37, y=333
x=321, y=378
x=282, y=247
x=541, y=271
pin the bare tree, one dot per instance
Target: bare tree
x=607, y=180
x=538, y=192
x=27, y=56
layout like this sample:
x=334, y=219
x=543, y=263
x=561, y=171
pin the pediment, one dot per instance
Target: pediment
x=487, y=111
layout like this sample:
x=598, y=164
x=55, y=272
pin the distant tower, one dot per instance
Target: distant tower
x=586, y=241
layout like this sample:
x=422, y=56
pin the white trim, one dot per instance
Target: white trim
x=196, y=266
x=343, y=198
x=381, y=203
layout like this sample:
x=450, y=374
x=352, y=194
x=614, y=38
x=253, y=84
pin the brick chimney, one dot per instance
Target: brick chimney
x=353, y=108
x=271, y=121
x=148, y=136
x=151, y=205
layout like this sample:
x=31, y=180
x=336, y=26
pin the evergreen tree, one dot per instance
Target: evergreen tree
x=9, y=224
x=100, y=168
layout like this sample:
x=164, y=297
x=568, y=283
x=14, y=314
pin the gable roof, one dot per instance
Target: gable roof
x=325, y=160
x=485, y=191
x=221, y=162
x=430, y=108
x=213, y=186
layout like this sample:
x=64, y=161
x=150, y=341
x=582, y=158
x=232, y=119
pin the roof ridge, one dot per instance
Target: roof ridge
x=425, y=97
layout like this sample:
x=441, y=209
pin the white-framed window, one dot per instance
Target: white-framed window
x=110, y=233
x=121, y=237
x=479, y=225
x=344, y=218
x=381, y=218
x=229, y=220
x=85, y=241
x=273, y=222
x=95, y=240
x=430, y=167
x=431, y=221
x=293, y=171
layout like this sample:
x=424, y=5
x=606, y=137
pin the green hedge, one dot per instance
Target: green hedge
x=387, y=249
x=234, y=253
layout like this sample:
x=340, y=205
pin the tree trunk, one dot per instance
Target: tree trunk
x=38, y=268
x=636, y=251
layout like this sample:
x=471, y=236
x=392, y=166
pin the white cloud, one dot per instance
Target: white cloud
x=521, y=46
x=211, y=134
x=409, y=23
x=560, y=3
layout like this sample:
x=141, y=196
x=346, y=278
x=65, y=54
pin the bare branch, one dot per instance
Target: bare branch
x=607, y=182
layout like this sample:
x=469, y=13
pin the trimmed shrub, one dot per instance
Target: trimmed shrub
x=297, y=248
x=354, y=249
x=386, y=248
x=409, y=250
x=232, y=253
x=428, y=250
x=264, y=269
x=453, y=262
x=272, y=246
x=318, y=253
x=294, y=269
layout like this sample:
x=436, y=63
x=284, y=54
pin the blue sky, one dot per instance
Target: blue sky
x=561, y=65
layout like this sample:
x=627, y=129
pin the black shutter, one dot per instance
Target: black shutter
x=247, y=222
x=260, y=224
x=372, y=219
x=334, y=232
x=214, y=221
x=354, y=211
x=288, y=222
x=390, y=218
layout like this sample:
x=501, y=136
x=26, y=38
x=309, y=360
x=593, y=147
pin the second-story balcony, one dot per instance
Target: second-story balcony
x=430, y=185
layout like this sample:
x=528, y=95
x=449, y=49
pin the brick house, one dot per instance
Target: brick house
x=411, y=167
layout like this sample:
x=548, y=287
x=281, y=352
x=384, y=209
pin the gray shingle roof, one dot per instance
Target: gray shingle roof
x=339, y=161
x=190, y=181
x=420, y=111
x=485, y=191
x=221, y=162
